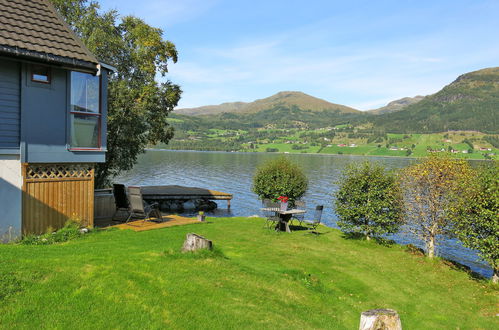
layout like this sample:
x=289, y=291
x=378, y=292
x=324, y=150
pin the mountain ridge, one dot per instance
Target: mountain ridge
x=284, y=98
x=396, y=105
x=470, y=102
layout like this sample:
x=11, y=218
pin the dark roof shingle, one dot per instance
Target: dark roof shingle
x=33, y=28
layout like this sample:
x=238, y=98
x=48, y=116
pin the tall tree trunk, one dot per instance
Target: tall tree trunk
x=430, y=247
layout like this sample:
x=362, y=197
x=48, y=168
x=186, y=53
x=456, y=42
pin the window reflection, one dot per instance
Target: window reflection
x=84, y=92
x=85, y=110
x=40, y=73
x=85, y=131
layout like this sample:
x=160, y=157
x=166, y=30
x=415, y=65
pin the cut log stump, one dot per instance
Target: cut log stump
x=195, y=242
x=380, y=319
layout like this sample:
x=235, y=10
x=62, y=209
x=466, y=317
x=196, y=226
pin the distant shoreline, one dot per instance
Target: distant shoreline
x=299, y=153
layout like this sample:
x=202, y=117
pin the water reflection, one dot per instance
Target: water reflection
x=233, y=173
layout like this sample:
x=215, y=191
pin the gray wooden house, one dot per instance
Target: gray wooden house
x=53, y=109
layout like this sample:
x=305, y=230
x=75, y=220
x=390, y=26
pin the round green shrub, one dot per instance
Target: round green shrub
x=280, y=177
x=368, y=201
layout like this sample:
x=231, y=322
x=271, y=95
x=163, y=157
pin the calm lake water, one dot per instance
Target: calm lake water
x=233, y=173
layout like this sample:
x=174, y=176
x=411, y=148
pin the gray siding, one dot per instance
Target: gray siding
x=9, y=104
x=45, y=121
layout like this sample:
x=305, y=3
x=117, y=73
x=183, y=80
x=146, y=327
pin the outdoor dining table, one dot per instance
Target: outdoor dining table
x=284, y=217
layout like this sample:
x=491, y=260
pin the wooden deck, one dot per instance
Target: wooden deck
x=183, y=193
x=168, y=221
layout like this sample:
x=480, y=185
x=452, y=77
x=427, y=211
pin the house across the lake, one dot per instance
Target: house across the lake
x=53, y=109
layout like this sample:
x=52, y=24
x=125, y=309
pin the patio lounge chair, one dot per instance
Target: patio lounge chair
x=312, y=224
x=120, y=200
x=271, y=217
x=139, y=208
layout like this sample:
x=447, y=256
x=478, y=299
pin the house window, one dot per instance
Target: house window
x=85, y=111
x=40, y=73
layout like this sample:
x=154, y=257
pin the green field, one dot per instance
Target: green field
x=256, y=278
x=341, y=139
x=418, y=145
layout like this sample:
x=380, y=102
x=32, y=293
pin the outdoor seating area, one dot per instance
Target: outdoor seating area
x=133, y=212
x=167, y=221
x=279, y=217
x=131, y=202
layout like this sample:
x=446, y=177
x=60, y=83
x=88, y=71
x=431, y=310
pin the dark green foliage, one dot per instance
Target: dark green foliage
x=205, y=145
x=138, y=106
x=280, y=177
x=469, y=143
x=70, y=231
x=368, y=201
x=278, y=115
x=493, y=140
x=299, y=147
x=477, y=222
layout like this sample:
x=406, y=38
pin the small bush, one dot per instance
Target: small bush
x=280, y=177
x=70, y=231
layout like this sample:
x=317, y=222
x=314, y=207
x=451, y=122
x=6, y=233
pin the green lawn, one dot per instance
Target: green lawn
x=255, y=279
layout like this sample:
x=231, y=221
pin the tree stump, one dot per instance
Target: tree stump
x=380, y=319
x=195, y=242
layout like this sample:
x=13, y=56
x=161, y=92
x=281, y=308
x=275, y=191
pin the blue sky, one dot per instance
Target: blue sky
x=357, y=53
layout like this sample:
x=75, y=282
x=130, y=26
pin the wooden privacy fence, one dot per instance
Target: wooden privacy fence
x=53, y=193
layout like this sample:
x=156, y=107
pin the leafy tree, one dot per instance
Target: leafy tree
x=469, y=143
x=476, y=222
x=280, y=177
x=369, y=201
x=138, y=105
x=493, y=140
x=431, y=189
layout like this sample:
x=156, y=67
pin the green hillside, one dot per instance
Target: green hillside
x=471, y=102
x=460, y=119
x=281, y=99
